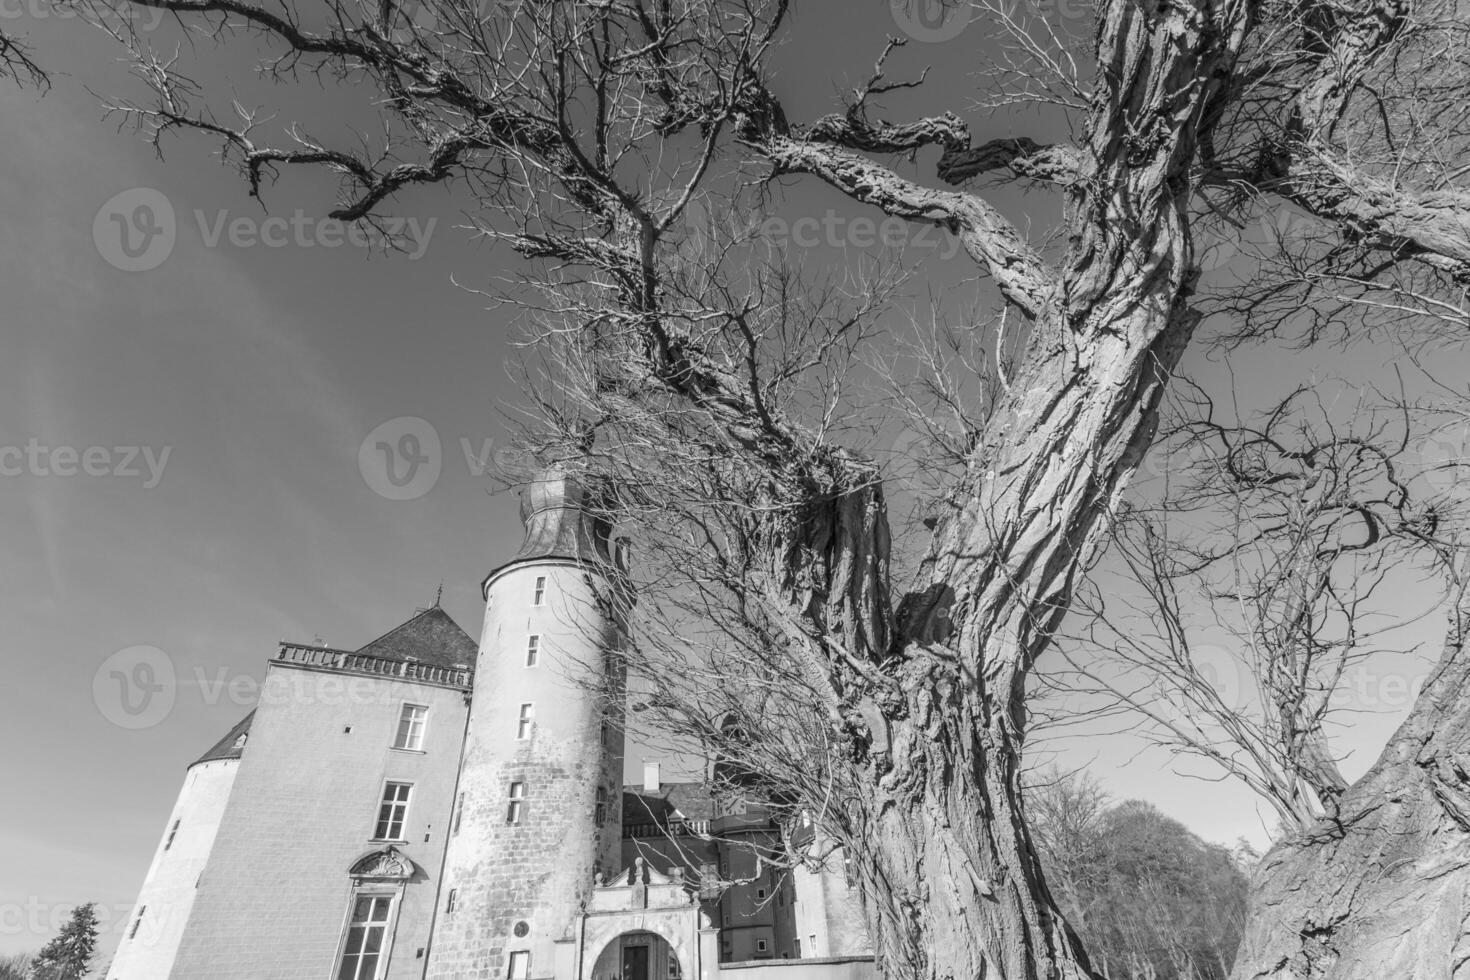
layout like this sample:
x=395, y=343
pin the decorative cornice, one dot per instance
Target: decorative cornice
x=386, y=864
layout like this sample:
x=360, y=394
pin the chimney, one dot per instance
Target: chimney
x=651, y=782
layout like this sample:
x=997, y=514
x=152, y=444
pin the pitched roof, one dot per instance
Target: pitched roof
x=673, y=801
x=430, y=637
x=231, y=745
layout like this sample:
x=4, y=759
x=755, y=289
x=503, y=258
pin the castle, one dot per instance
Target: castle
x=423, y=809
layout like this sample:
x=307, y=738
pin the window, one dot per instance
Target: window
x=601, y=805
x=453, y=894
x=138, y=921
x=540, y=597
x=760, y=946
x=367, y=932
x=171, y=832
x=517, y=799
x=674, y=972
x=603, y=736
x=411, y=727
x=458, y=813
x=523, y=723
x=392, y=811
x=520, y=965
x=533, y=649
x=760, y=894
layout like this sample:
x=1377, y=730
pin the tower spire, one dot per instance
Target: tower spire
x=540, y=787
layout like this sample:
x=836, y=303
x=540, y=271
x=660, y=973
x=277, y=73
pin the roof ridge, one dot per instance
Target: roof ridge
x=410, y=621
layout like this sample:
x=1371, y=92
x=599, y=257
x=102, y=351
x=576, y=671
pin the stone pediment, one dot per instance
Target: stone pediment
x=384, y=864
x=642, y=887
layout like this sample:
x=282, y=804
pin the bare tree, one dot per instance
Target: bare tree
x=584, y=130
x=1232, y=611
x=1259, y=584
x=17, y=63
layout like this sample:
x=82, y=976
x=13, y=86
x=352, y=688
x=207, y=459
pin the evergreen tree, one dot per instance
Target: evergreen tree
x=69, y=955
x=15, y=966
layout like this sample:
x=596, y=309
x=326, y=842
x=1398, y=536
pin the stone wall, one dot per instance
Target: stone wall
x=274, y=898
x=829, y=914
x=531, y=878
x=167, y=896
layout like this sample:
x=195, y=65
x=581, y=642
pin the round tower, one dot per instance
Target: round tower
x=539, y=807
x=150, y=940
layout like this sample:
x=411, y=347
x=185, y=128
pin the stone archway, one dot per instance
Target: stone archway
x=638, y=954
x=643, y=908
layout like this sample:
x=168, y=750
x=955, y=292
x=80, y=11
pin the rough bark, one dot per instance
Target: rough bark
x=931, y=692
x=1382, y=892
x=950, y=874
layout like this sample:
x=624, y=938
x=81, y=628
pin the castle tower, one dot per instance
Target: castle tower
x=151, y=940
x=538, y=812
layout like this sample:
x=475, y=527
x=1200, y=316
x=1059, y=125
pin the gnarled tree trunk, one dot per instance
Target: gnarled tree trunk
x=1381, y=891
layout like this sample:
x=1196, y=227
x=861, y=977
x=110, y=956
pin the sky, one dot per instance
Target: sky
x=188, y=448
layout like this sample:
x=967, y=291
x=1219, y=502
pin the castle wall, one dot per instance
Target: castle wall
x=275, y=897
x=147, y=951
x=824, y=968
x=829, y=917
x=533, y=876
x=748, y=908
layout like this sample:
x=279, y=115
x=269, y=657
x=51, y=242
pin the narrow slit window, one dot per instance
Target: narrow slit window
x=533, y=650
x=539, y=597
x=516, y=808
x=137, y=922
x=524, y=722
x=172, y=832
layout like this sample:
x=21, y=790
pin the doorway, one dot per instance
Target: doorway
x=635, y=963
x=638, y=956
